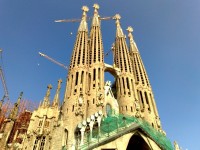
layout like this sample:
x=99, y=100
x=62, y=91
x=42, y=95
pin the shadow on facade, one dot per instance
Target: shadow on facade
x=136, y=142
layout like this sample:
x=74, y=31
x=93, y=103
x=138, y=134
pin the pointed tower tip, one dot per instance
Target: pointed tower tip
x=117, y=17
x=14, y=112
x=119, y=32
x=57, y=95
x=46, y=101
x=49, y=87
x=133, y=46
x=96, y=7
x=85, y=9
x=95, y=19
x=83, y=24
x=129, y=29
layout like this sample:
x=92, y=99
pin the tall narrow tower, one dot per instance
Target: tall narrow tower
x=143, y=87
x=74, y=106
x=96, y=65
x=125, y=81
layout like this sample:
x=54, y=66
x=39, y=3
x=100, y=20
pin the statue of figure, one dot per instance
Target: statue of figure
x=79, y=104
x=79, y=111
x=108, y=83
x=137, y=105
x=80, y=99
x=137, y=108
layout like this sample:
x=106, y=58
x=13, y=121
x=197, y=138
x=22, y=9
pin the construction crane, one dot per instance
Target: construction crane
x=111, y=49
x=3, y=81
x=77, y=20
x=54, y=61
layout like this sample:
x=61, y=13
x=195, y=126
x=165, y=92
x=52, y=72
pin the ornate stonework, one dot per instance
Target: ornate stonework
x=97, y=114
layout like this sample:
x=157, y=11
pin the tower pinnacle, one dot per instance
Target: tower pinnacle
x=119, y=32
x=133, y=46
x=143, y=88
x=56, y=98
x=96, y=7
x=46, y=101
x=15, y=109
x=95, y=20
x=83, y=25
x=96, y=65
x=124, y=81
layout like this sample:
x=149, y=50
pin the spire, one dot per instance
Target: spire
x=138, y=66
x=80, y=52
x=121, y=53
x=143, y=88
x=96, y=64
x=83, y=25
x=14, y=111
x=57, y=98
x=133, y=46
x=96, y=20
x=46, y=101
x=124, y=81
x=119, y=32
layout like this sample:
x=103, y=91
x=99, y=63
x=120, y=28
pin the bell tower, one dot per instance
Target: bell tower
x=74, y=105
x=125, y=80
x=96, y=65
x=144, y=91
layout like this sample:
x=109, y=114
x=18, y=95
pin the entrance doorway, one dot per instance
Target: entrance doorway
x=136, y=142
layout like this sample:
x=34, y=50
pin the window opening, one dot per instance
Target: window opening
x=76, y=78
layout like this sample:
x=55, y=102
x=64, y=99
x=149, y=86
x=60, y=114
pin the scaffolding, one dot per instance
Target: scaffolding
x=116, y=125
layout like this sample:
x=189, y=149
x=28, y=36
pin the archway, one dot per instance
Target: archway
x=136, y=142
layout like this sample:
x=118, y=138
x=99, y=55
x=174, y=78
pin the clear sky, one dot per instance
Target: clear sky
x=167, y=34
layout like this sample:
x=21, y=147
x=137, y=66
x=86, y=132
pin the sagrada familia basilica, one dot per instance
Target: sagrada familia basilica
x=95, y=114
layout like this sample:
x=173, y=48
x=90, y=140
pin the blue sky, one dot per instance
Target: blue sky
x=167, y=34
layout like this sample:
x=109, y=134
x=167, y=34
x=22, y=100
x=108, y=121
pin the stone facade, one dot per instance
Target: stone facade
x=43, y=122
x=89, y=100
